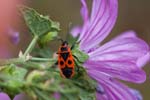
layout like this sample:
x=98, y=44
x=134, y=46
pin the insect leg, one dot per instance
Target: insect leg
x=77, y=59
x=72, y=46
x=56, y=63
x=77, y=66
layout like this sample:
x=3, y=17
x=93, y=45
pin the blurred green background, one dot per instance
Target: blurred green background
x=133, y=15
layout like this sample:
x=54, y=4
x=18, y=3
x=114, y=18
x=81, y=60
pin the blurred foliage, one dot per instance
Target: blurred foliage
x=12, y=78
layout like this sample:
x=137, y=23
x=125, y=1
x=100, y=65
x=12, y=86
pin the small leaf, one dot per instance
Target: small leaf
x=37, y=23
x=46, y=38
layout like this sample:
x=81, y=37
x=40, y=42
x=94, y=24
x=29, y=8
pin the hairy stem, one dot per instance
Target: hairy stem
x=42, y=59
x=31, y=46
x=10, y=61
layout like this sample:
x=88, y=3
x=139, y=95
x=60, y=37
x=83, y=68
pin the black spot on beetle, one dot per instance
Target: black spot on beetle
x=64, y=56
x=67, y=72
x=69, y=62
x=61, y=63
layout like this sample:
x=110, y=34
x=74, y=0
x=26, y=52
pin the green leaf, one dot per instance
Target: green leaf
x=37, y=23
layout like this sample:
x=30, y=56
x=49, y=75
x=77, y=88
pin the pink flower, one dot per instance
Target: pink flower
x=120, y=58
x=4, y=96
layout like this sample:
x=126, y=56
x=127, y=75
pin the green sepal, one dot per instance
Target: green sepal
x=80, y=55
x=37, y=23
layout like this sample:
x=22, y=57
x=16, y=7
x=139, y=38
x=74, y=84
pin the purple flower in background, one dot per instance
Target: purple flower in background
x=57, y=95
x=120, y=58
x=21, y=96
x=4, y=96
x=13, y=36
x=4, y=52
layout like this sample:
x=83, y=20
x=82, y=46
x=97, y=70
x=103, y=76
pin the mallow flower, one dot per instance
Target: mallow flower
x=119, y=59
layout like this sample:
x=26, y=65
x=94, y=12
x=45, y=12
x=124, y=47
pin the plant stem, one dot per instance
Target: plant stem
x=31, y=46
x=43, y=59
x=23, y=58
x=10, y=61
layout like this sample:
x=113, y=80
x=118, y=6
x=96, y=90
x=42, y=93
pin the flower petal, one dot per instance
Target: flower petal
x=136, y=93
x=123, y=70
x=76, y=31
x=114, y=90
x=4, y=96
x=103, y=18
x=128, y=34
x=84, y=11
x=143, y=60
x=126, y=47
x=22, y=96
x=101, y=96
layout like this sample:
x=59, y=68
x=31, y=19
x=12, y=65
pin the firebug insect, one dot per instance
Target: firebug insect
x=66, y=61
